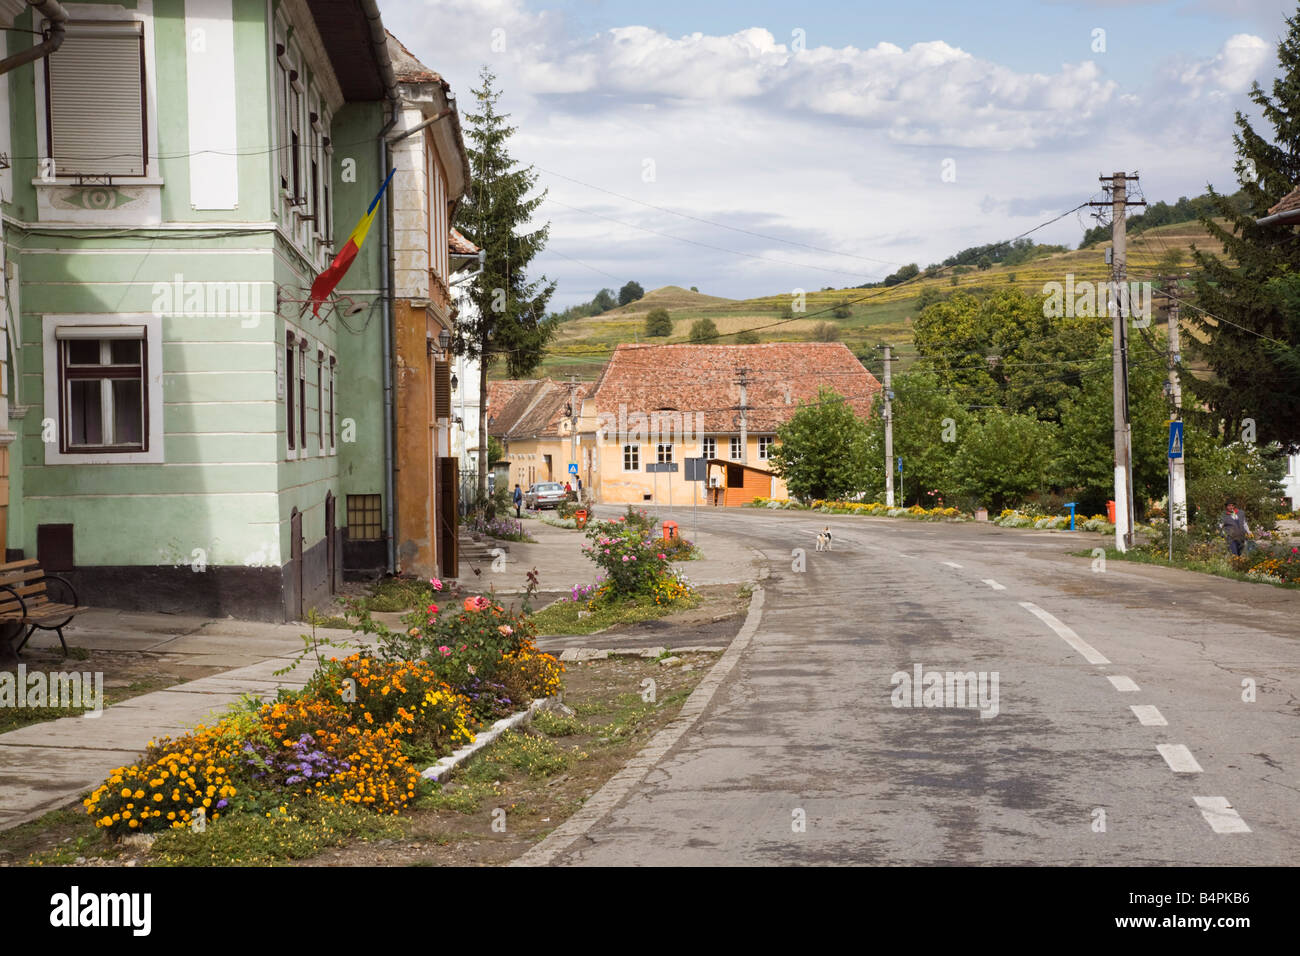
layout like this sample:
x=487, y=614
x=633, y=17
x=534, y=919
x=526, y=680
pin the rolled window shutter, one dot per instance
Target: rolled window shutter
x=441, y=390
x=95, y=110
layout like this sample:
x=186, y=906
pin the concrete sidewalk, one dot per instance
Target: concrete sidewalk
x=47, y=765
x=557, y=556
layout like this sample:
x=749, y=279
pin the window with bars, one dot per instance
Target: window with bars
x=103, y=389
x=365, y=517
x=631, y=457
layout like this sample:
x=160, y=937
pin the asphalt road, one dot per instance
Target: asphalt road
x=1063, y=770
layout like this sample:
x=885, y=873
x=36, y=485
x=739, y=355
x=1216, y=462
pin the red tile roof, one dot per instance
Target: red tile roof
x=406, y=67
x=702, y=378
x=1288, y=202
x=460, y=245
x=531, y=409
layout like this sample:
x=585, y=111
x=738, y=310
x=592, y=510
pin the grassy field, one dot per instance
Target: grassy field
x=876, y=315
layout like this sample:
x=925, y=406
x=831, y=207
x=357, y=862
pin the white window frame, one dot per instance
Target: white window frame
x=709, y=447
x=153, y=383
x=662, y=456
x=765, y=444
x=735, y=450
x=632, y=452
x=81, y=12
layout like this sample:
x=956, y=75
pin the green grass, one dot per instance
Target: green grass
x=557, y=725
x=398, y=594
x=245, y=839
x=1217, y=567
x=583, y=345
x=563, y=617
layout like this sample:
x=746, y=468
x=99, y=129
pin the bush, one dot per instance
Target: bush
x=703, y=332
x=658, y=323
x=632, y=561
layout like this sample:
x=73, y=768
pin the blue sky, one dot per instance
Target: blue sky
x=880, y=134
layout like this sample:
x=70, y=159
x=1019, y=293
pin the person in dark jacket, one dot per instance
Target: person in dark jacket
x=518, y=499
x=1234, y=528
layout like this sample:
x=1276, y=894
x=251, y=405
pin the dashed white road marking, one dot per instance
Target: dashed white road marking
x=994, y=584
x=1122, y=683
x=1179, y=758
x=952, y=564
x=1220, y=816
x=1090, y=653
x=1149, y=716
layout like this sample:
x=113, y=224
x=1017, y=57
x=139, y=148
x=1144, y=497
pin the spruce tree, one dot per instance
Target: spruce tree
x=1253, y=351
x=510, y=322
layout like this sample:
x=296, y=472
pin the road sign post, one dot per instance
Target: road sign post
x=1175, y=452
x=697, y=470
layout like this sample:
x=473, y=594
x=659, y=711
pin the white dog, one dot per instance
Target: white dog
x=824, y=539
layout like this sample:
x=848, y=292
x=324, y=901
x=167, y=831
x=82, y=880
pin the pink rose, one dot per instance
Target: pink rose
x=661, y=557
x=506, y=629
x=445, y=651
x=437, y=585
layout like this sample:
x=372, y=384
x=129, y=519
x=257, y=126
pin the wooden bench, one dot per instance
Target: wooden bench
x=36, y=600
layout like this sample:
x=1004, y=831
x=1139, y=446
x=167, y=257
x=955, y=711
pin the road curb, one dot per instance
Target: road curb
x=489, y=736
x=621, y=784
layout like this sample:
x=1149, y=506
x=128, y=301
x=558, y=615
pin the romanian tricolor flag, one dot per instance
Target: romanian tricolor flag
x=333, y=274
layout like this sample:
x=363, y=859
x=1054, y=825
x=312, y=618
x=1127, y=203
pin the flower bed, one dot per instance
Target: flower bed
x=357, y=734
x=874, y=508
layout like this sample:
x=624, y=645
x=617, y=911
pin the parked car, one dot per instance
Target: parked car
x=545, y=494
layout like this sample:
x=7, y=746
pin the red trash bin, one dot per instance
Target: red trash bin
x=670, y=530
x=1110, y=511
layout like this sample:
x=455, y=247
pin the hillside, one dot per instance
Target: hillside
x=876, y=315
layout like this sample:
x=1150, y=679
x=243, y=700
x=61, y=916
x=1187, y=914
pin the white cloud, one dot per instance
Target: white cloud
x=838, y=147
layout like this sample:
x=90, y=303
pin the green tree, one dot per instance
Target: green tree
x=509, y=321
x=1007, y=350
x=1253, y=353
x=658, y=323
x=1087, y=466
x=496, y=450
x=747, y=337
x=603, y=302
x=1005, y=457
x=703, y=331
x=695, y=288
x=929, y=424
x=842, y=310
x=630, y=293
x=821, y=450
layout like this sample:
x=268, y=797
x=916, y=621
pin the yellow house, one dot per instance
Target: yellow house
x=654, y=406
x=536, y=423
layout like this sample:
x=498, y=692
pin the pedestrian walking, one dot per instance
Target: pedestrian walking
x=519, y=500
x=1235, y=528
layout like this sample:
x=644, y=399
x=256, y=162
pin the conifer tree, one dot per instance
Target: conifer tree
x=509, y=323
x=1251, y=346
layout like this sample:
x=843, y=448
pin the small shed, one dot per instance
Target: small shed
x=732, y=484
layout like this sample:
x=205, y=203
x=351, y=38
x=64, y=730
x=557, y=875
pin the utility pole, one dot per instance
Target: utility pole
x=743, y=382
x=1117, y=184
x=1177, y=466
x=889, y=434
x=573, y=424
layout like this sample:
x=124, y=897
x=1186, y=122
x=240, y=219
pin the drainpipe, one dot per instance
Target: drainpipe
x=56, y=17
x=379, y=44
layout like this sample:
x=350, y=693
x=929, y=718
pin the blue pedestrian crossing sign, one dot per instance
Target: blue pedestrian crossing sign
x=1175, y=440
x=573, y=467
